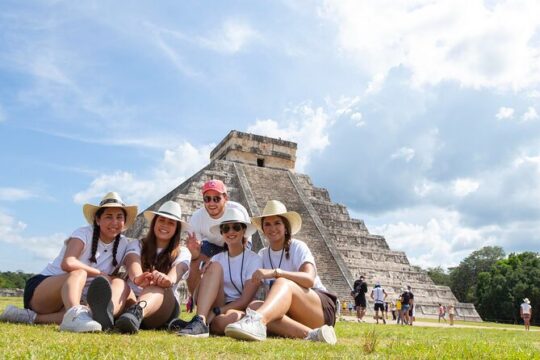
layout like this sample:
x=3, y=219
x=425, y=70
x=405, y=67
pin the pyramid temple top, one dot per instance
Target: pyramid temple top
x=256, y=150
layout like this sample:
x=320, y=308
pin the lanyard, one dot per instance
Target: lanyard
x=241, y=272
x=280, y=259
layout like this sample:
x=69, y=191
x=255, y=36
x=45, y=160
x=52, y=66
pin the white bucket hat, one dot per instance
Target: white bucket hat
x=273, y=208
x=234, y=216
x=526, y=300
x=112, y=199
x=170, y=210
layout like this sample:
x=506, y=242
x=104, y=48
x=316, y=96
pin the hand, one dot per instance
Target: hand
x=160, y=279
x=193, y=245
x=144, y=279
x=261, y=274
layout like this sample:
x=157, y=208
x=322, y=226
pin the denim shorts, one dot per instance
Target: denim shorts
x=30, y=287
x=209, y=249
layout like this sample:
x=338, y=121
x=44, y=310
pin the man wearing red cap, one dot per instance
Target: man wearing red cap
x=202, y=243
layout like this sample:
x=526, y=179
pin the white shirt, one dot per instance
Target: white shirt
x=104, y=254
x=237, y=273
x=201, y=223
x=299, y=254
x=526, y=308
x=378, y=294
x=184, y=256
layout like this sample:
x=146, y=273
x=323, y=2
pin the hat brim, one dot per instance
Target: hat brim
x=90, y=210
x=149, y=216
x=250, y=228
x=295, y=220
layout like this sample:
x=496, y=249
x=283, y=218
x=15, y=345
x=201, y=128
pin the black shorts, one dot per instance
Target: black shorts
x=328, y=301
x=30, y=287
x=360, y=301
x=174, y=315
x=379, y=306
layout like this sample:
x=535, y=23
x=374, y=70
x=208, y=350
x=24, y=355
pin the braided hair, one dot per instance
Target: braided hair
x=150, y=260
x=288, y=237
x=95, y=238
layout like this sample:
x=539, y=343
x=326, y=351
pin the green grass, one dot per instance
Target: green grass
x=355, y=341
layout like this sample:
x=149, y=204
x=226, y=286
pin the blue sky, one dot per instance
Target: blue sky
x=420, y=116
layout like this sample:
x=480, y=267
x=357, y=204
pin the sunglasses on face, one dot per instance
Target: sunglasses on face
x=236, y=227
x=208, y=198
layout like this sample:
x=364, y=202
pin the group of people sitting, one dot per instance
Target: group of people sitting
x=83, y=289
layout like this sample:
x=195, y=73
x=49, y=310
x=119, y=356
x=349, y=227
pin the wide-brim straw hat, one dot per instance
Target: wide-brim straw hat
x=112, y=199
x=277, y=208
x=232, y=216
x=526, y=300
x=170, y=210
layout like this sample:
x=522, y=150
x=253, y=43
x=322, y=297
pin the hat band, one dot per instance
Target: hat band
x=110, y=201
x=168, y=213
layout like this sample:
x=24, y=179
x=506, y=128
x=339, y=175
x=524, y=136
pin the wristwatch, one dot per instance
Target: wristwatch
x=216, y=310
x=277, y=273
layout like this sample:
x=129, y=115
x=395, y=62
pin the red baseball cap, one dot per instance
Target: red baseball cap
x=216, y=185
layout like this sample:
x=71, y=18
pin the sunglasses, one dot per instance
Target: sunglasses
x=208, y=199
x=236, y=227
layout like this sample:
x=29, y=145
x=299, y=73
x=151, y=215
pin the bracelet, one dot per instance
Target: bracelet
x=277, y=273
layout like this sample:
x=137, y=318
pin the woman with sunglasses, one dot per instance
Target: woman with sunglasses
x=225, y=289
x=297, y=305
x=155, y=264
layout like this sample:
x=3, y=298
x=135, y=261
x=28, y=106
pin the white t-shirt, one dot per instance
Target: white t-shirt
x=378, y=295
x=237, y=273
x=104, y=254
x=526, y=308
x=299, y=254
x=184, y=256
x=201, y=223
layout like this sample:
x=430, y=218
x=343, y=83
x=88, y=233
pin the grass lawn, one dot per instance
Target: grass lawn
x=354, y=341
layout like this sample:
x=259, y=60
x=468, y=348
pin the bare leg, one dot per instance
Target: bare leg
x=160, y=304
x=120, y=295
x=210, y=290
x=221, y=321
x=195, y=274
x=285, y=326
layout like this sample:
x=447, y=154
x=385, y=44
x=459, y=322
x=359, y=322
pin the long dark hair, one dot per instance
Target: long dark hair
x=288, y=236
x=95, y=238
x=150, y=260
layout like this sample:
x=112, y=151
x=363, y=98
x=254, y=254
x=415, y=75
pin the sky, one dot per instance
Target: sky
x=421, y=116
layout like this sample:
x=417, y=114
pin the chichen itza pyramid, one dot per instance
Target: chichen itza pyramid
x=257, y=168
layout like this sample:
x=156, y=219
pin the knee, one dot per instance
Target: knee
x=79, y=274
x=214, y=269
x=254, y=305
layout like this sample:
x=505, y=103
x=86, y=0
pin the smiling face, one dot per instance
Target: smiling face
x=274, y=231
x=233, y=234
x=111, y=222
x=164, y=229
x=214, y=208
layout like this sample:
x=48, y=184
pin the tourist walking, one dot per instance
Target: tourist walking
x=442, y=312
x=451, y=313
x=525, y=310
x=378, y=295
x=359, y=295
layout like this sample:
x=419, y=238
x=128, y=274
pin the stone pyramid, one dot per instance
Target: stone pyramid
x=257, y=169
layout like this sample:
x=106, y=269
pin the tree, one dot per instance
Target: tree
x=439, y=276
x=464, y=277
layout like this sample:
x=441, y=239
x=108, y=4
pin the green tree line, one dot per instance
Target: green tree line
x=13, y=280
x=495, y=283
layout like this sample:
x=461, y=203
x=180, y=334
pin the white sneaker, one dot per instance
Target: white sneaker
x=14, y=314
x=325, y=334
x=78, y=319
x=250, y=327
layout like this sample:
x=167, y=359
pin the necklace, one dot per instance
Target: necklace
x=241, y=272
x=280, y=258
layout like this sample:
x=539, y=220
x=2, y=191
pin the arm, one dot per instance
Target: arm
x=305, y=277
x=71, y=260
x=371, y=295
x=172, y=277
x=135, y=272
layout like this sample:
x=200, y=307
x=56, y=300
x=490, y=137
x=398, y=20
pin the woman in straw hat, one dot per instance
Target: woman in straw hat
x=525, y=311
x=225, y=289
x=54, y=296
x=156, y=264
x=297, y=305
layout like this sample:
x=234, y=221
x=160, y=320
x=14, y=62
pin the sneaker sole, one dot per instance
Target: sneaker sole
x=99, y=299
x=242, y=335
x=126, y=324
x=328, y=335
x=205, y=335
x=68, y=329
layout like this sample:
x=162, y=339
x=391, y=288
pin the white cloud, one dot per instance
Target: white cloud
x=231, y=38
x=357, y=118
x=304, y=124
x=463, y=187
x=404, y=153
x=14, y=194
x=176, y=165
x=531, y=114
x=505, y=113
x=466, y=41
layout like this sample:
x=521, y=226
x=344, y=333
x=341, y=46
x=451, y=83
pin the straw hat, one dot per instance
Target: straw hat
x=233, y=215
x=526, y=300
x=112, y=199
x=274, y=207
x=170, y=210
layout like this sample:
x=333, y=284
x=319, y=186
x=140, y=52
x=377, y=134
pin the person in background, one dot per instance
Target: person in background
x=442, y=312
x=378, y=294
x=82, y=273
x=359, y=295
x=451, y=313
x=525, y=311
